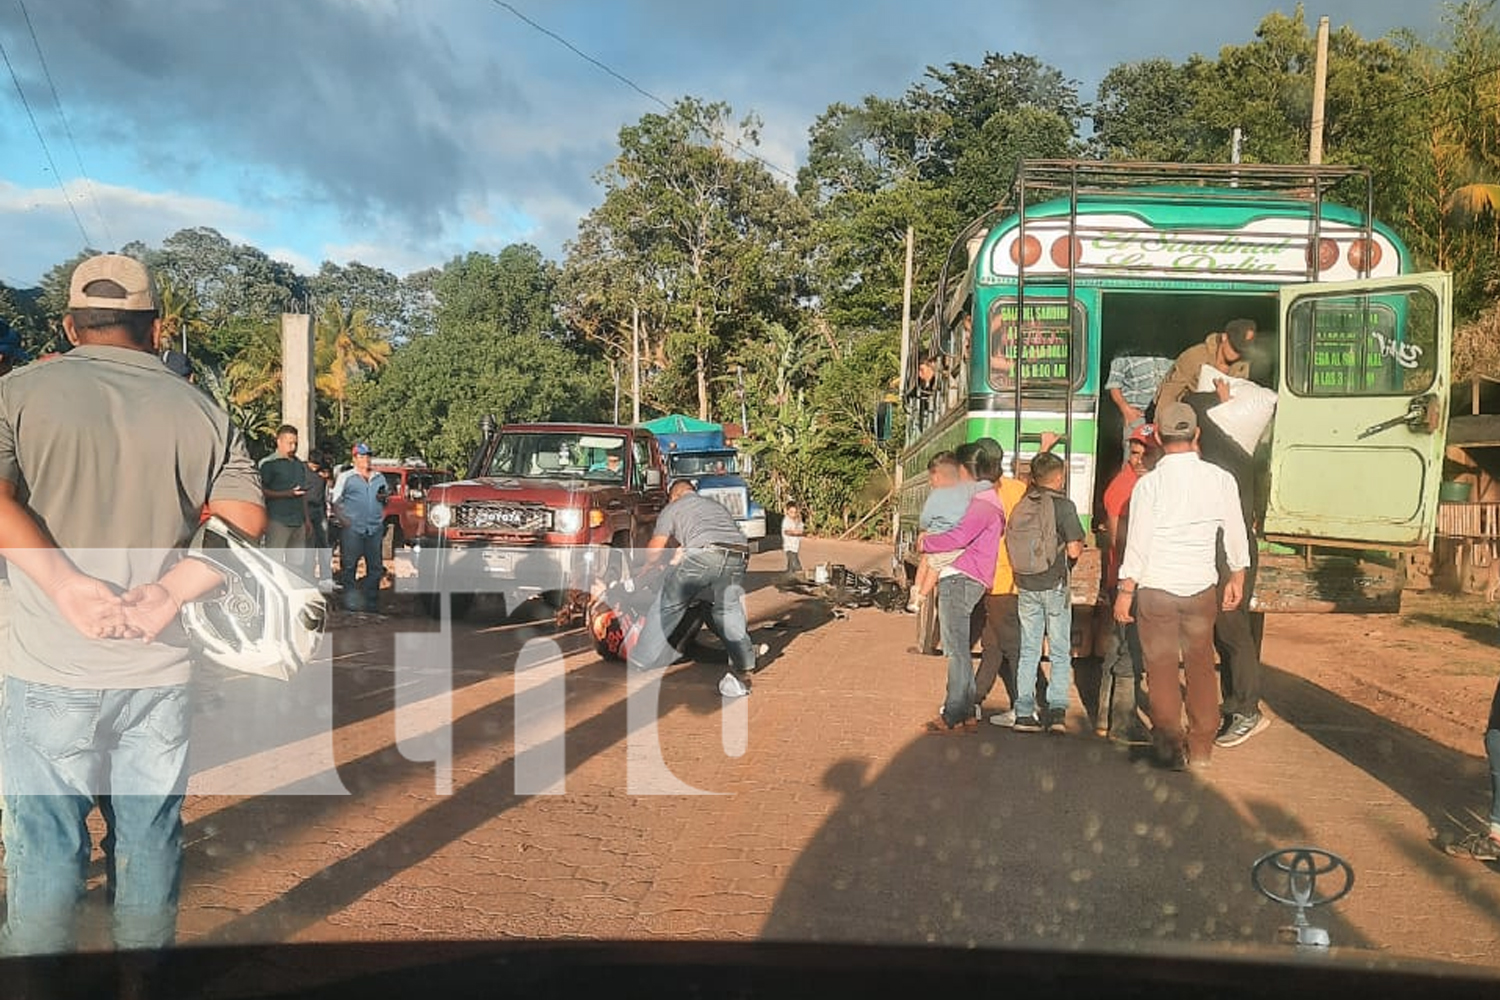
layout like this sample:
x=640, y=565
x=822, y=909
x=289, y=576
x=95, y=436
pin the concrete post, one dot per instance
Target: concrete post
x=298, y=401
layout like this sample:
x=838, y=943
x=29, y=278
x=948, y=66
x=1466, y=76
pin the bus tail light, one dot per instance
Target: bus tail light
x=1029, y=248
x=1324, y=256
x=1066, y=250
x=1364, y=255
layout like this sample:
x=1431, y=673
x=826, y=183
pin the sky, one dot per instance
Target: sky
x=401, y=133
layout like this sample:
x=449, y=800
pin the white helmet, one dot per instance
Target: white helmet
x=264, y=620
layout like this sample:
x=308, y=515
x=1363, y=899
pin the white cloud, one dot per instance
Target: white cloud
x=39, y=226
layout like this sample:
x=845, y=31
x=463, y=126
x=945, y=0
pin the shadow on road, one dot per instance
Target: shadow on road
x=1017, y=839
x=224, y=842
x=1446, y=786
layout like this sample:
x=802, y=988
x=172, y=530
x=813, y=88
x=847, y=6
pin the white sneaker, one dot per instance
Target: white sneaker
x=1006, y=719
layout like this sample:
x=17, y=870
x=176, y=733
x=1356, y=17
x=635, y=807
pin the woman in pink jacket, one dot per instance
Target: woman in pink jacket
x=977, y=539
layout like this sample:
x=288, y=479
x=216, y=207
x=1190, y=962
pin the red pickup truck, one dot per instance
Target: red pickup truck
x=407, y=484
x=541, y=513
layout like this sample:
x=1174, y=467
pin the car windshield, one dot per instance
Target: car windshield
x=982, y=476
x=559, y=455
x=717, y=463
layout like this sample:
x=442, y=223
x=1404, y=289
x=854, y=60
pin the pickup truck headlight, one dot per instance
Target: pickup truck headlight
x=568, y=520
x=440, y=515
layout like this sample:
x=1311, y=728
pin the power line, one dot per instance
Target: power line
x=67, y=129
x=632, y=84
x=1413, y=95
x=43, y=141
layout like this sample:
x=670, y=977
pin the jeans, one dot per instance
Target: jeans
x=712, y=574
x=1239, y=654
x=1171, y=625
x=288, y=544
x=321, y=554
x=1492, y=751
x=1050, y=613
x=357, y=545
x=793, y=561
x=1000, y=651
x=62, y=748
x=957, y=596
x=1123, y=671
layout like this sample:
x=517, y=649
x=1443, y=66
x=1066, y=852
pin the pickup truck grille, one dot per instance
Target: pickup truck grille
x=731, y=498
x=487, y=515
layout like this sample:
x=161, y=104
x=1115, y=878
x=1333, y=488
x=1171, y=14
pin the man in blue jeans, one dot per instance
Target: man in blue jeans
x=115, y=456
x=1045, y=604
x=359, y=509
x=712, y=567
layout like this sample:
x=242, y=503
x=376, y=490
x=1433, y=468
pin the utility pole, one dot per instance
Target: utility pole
x=1236, y=143
x=911, y=239
x=635, y=362
x=1320, y=87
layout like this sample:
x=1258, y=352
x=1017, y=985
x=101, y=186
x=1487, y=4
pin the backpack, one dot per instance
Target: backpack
x=1031, y=533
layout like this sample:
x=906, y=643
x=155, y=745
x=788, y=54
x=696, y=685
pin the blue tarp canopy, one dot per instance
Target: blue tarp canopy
x=677, y=423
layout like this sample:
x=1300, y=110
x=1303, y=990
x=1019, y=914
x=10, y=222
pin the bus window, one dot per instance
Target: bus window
x=1047, y=354
x=1363, y=345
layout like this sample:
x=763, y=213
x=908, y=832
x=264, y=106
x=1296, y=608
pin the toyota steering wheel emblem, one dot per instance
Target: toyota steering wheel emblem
x=1302, y=878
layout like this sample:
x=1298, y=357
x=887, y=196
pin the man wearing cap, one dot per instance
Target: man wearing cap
x=1169, y=583
x=358, y=500
x=712, y=567
x=112, y=456
x=1224, y=351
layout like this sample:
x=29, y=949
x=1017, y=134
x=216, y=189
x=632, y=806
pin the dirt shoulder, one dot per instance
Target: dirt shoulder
x=1432, y=668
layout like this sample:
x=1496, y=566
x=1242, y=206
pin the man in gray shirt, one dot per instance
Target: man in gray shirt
x=111, y=456
x=712, y=567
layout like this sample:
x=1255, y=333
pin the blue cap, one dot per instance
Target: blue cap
x=361, y=449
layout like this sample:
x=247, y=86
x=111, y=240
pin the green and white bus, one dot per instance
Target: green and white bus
x=1100, y=259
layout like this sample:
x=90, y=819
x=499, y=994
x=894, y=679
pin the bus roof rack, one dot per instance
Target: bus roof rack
x=1099, y=176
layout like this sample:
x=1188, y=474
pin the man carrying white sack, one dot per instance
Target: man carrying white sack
x=1233, y=416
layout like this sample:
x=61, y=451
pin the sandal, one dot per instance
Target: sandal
x=1475, y=847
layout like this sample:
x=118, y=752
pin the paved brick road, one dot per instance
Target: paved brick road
x=839, y=821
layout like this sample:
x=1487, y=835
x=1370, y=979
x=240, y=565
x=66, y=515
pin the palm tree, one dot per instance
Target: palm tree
x=181, y=314
x=345, y=345
x=254, y=374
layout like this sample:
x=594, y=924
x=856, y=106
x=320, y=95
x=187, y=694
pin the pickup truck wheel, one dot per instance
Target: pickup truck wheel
x=391, y=542
x=432, y=606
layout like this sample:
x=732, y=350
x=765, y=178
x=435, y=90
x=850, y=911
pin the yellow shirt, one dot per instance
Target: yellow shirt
x=1011, y=491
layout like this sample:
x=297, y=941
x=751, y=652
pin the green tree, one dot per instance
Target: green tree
x=710, y=240
x=382, y=295
x=496, y=349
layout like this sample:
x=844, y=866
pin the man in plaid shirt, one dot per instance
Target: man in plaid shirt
x=1132, y=383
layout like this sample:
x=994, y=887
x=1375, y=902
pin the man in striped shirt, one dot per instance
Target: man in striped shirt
x=1133, y=380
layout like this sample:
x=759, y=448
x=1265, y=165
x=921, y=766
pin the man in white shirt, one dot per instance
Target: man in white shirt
x=1176, y=515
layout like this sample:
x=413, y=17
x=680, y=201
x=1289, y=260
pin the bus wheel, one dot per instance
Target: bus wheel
x=928, y=639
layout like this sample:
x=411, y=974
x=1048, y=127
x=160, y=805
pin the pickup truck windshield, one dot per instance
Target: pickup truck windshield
x=559, y=455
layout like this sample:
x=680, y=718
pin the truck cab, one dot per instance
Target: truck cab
x=698, y=450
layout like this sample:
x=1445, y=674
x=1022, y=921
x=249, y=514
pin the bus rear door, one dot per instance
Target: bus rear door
x=1361, y=411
